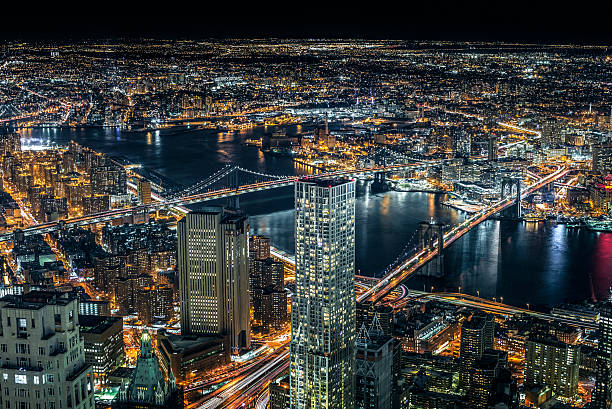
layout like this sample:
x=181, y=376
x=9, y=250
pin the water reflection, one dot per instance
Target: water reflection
x=539, y=264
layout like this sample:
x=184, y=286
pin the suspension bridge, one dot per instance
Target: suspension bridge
x=416, y=258
x=233, y=181
x=228, y=183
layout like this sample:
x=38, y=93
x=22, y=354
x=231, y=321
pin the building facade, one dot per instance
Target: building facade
x=600, y=397
x=553, y=363
x=42, y=353
x=103, y=343
x=322, y=348
x=213, y=275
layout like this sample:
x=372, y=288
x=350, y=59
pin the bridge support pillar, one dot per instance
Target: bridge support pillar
x=233, y=201
x=380, y=179
x=508, y=187
x=429, y=232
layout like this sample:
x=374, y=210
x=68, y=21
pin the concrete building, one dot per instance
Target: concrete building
x=43, y=361
x=376, y=368
x=144, y=191
x=476, y=338
x=601, y=396
x=103, y=343
x=213, y=275
x=267, y=286
x=553, y=363
x=322, y=348
x=190, y=357
x=602, y=159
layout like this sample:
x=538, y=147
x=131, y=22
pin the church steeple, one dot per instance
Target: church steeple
x=147, y=388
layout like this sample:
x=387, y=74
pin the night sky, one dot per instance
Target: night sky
x=532, y=22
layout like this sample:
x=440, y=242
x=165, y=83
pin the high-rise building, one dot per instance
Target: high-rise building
x=322, y=348
x=144, y=191
x=553, y=363
x=486, y=375
x=552, y=132
x=601, y=396
x=104, y=348
x=108, y=179
x=191, y=358
x=602, y=159
x=267, y=286
x=213, y=275
x=376, y=368
x=259, y=248
x=492, y=149
x=366, y=311
x=43, y=365
x=476, y=337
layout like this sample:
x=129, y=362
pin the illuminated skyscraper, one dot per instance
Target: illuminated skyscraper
x=144, y=191
x=553, y=363
x=213, y=275
x=492, y=150
x=601, y=394
x=476, y=338
x=323, y=306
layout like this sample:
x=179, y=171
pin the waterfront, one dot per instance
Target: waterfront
x=523, y=262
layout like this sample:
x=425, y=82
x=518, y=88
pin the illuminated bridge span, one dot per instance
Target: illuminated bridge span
x=396, y=275
x=406, y=296
x=235, y=174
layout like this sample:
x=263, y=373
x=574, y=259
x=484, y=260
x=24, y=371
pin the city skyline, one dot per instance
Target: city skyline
x=239, y=216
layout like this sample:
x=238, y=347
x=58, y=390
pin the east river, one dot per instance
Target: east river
x=542, y=264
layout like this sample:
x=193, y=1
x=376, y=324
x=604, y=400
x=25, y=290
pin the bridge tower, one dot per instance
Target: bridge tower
x=508, y=187
x=380, y=180
x=429, y=232
x=233, y=202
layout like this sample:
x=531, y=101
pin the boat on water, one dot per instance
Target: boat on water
x=534, y=217
x=601, y=225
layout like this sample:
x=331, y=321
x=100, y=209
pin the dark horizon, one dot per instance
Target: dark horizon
x=534, y=24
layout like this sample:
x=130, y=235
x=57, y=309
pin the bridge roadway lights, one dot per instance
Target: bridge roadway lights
x=198, y=198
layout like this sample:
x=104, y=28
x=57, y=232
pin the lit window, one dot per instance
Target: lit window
x=21, y=379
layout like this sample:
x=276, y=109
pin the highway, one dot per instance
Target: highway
x=244, y=389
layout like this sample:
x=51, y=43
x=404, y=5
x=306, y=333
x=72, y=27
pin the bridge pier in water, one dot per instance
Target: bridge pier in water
x=509, y=184
x=380, y=183
x=429, y=232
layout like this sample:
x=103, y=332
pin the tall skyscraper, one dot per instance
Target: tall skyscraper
x=601, y=394
x=476, y=337
x=322, y=345
x=213, y=275
x=144, y=191
x=492, y=149
x=377, y=368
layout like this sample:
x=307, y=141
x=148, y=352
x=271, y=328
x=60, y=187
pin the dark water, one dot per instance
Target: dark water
x=541, y=264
